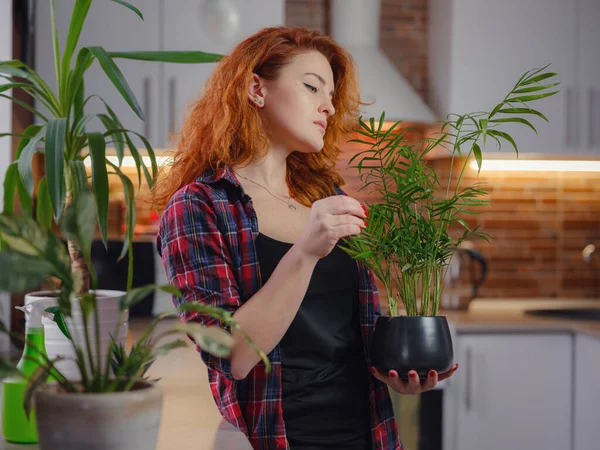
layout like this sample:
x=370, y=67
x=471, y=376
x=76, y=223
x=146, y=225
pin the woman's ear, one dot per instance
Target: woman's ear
x=256, y=92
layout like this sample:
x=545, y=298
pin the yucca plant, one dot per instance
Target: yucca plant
x=414, y=231
x=61, y=136
x=33, y=253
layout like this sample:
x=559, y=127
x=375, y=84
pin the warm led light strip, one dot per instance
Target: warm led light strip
x=128, y=161
x=537, y=165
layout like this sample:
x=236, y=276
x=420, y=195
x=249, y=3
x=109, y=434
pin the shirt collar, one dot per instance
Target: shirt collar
x=214, y=175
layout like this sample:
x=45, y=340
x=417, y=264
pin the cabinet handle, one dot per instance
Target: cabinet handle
x=568, y=118
x=576, y=115
x=468, y=380
x=147, y=108
x=592, y=119
x=171, y=105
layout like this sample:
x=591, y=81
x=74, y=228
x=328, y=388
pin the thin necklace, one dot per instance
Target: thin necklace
x=290, y=205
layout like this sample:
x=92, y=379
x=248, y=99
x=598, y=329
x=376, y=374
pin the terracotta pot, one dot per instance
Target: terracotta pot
x=99, y=421
x=404, y=343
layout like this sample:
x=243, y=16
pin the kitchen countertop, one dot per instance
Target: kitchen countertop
x=190, y=418
x=509, y=315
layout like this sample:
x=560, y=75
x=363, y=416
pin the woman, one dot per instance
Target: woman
x=253, y=211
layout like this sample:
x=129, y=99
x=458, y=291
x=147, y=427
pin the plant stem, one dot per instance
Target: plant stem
x=98, y=358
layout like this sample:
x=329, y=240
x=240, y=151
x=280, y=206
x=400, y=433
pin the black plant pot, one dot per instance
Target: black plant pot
x=404, y=343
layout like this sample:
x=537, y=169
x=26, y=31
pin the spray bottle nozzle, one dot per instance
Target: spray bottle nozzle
x=34, y=312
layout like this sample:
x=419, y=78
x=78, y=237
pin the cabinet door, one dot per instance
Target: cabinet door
x=587, y=392
x=211, y=26
x=494, y=43
x=514, y=391
x=115, y=28
x=589, y=70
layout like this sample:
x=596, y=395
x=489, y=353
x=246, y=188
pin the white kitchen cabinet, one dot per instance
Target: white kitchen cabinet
x=589, y=70
x=514, y=391
x=115, y=28
x=587, y=393
x=184, y=30
x=480, y=48
x=163, y=90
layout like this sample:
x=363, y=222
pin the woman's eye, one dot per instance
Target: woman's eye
x=312, y=88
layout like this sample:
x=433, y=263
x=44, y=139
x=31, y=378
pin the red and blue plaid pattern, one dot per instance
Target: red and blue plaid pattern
x=206, y=240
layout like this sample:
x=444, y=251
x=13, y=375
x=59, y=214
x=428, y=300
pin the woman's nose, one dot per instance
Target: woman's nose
x=328, y=108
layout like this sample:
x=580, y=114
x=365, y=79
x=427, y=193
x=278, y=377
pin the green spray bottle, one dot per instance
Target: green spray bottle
x=16, y=427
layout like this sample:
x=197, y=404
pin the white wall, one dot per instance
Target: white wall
x=5, y=143
x=5, y=105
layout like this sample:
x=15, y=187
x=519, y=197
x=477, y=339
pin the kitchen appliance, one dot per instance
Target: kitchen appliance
x=464, y=276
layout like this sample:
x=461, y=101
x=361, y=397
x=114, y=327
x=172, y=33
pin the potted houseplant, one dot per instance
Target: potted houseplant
x=415, y=230
x=113, y=404
x=60, y=135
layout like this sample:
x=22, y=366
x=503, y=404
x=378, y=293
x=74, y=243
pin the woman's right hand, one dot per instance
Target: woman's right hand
x=331, y=219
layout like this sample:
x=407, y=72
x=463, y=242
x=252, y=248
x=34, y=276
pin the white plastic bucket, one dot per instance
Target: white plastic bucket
x=57, y=344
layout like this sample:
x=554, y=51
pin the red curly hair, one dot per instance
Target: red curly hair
x=223, y=128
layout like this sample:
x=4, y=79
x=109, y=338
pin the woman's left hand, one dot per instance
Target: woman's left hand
x=414, y=385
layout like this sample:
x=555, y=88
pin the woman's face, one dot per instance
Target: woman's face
x=296, y=105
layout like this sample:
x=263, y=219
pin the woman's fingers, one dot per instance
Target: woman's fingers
x=413, y=386
x=448, y=374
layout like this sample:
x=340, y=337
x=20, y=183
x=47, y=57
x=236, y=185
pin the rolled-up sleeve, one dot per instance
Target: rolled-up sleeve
x=198, y=262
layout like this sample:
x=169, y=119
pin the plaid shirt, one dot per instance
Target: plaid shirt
x=206, y=240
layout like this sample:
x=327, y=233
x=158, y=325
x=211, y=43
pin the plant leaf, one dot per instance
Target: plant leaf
x=87, y=302
x=21, y=272
x=136, y=295
x=477, y=155
x=542, y=77
x=515, y=120
x=116, y=77
x=39, y=377
x=55, y=163
x=80, y=11
x=79, y=179
x=215, y=340
x=183, y=57
x=79, y=223
x=25, y=158
x=11, y=180
x=166, y=348
x=43, y=212
x=534, y=88
x=530, y=98
x=131, y=7
x=99, y=180
x=55, y=45
x=523, y=111
x=8, y=370
x=85, y=58
x=59, y=319
x=506, y=136
x=130, y=214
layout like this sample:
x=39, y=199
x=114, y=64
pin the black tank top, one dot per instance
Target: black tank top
x=324, y=372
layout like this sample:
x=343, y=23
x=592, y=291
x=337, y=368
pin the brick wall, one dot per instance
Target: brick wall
x=403, y=35
x=539, y=222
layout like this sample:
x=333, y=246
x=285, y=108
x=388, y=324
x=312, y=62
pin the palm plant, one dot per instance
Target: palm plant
x=61, y=136
x=414, y=231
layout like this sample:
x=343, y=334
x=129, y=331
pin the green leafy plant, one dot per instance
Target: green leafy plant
x=34, y=253
x=31, y=253
x=413, y=233
x=61, y=136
